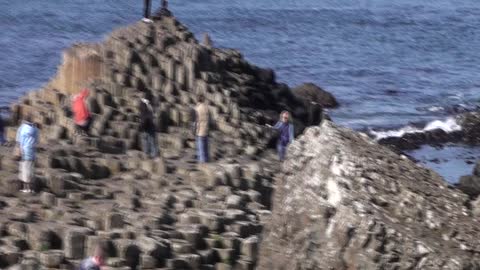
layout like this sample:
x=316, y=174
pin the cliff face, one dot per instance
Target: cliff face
x=346, y=202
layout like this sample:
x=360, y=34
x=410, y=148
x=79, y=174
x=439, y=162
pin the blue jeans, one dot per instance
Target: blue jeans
x=202, y=149
x=281, y=150
x=150, y=144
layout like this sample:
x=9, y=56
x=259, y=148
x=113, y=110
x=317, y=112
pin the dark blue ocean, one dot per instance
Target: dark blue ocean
x=390, y=63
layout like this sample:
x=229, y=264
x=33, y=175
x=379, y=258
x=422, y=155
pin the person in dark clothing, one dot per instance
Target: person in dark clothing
x=96, y=261
x=162, y=11
x=147, y=128
x=2, y=131
x=146, y=10
x=286, y=132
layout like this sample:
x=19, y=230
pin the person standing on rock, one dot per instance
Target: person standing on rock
x=96, y=261
x=147, y=128
x=201, y=127
x=286, y=134
x=27, y=139
x=146, y=11
x=81, y=114
x=2, y=131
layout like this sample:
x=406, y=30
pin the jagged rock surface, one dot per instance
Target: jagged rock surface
x=166, y=213
x=470, y=123
x=346, y=202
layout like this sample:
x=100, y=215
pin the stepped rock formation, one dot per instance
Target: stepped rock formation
x=166, y=213
x=346, y=202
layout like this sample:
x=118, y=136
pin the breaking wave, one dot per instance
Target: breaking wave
x=448, y=125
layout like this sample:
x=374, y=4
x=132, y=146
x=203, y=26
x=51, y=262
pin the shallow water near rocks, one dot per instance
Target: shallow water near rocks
x=389, y=63
x=450, y=161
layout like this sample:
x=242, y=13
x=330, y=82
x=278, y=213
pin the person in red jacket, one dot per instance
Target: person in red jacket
x=81, y=114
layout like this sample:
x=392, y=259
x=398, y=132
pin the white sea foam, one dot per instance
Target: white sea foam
x=447, y=125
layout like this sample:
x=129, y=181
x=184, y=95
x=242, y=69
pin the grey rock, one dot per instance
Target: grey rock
x=313, y=93
x=371, y=207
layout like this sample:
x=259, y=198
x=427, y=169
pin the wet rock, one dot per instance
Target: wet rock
x=470, y=123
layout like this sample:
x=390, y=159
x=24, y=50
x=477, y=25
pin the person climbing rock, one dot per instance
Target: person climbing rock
x=286, y=134
x=97, y=260
x=27, y=139
x=81, y=114
x=146, y=11
x=201, y=127
x=147, y=128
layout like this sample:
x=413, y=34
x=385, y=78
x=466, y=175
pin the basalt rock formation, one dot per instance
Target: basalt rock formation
x=346, y=202
x=313, y=93
x=165, y=213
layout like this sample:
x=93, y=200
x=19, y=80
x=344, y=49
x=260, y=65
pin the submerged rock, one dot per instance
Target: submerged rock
x=346, y=202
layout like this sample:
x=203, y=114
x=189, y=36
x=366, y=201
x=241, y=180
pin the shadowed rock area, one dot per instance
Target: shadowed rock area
x=166, y=213
x=345, y=202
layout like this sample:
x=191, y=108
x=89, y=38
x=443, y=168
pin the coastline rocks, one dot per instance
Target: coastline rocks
x=470, y=123
x=411, y=141
x=470, y=184
x=373, y=209
x=313, y=93
x=469, y=134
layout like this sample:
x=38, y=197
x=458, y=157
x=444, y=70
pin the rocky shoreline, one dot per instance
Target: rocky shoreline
x=340, y=201
x=468, y=133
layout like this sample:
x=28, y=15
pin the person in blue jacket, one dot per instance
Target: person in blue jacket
x=27, y=139
x=286, y=134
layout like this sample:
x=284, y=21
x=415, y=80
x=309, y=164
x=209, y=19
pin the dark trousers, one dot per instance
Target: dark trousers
x=150, y=146
x=146, y=8
x=85, y=128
